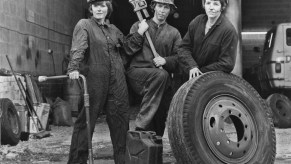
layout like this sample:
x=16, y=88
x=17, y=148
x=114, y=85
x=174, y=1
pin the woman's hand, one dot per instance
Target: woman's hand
x=142, y=27
x=74, y=75
x=194, y=72
x=159, y=61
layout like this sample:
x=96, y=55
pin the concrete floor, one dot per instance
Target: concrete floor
x=283, y=146
x=54, y=149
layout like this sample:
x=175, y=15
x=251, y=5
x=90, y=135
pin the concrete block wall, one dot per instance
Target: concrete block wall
x=28, y=28
x=9, y=89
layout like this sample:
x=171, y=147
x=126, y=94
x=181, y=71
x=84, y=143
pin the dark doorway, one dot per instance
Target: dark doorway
x=123, y=16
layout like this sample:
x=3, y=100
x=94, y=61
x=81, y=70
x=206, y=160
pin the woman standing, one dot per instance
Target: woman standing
x=95, y=52
x=210, y=43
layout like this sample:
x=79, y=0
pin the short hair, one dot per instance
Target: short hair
x=222, y=2
x=108, y=4
x=153, y=5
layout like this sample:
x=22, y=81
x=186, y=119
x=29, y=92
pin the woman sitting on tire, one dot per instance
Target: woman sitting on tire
x=210, y=43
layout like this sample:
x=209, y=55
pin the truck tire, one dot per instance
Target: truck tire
x=197, y=129
x=10, y=129
x=281, y=108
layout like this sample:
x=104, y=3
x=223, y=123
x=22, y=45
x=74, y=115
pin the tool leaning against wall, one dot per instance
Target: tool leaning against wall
x=41, y=133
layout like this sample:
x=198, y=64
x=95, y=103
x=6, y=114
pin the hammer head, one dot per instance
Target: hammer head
x=138, y=4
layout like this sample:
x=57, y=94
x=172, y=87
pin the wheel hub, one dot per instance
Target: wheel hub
x=229, y=130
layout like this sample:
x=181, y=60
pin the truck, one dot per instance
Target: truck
x=272, y=76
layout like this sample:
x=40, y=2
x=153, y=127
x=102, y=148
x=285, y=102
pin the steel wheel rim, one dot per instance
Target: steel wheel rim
x=225, y=149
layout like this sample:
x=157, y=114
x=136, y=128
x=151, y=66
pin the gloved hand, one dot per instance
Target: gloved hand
x=74, y=75
x=142, y=27
x=159, y=61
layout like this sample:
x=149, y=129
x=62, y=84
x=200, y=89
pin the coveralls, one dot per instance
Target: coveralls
x=215, y=51
x=95, y=53
x=151, y=82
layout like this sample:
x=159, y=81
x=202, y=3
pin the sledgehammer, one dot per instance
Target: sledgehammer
x=86, y=105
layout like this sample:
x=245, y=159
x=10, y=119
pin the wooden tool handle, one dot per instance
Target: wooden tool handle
x=140, y=18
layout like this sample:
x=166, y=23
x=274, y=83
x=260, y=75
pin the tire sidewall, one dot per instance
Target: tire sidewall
x=198, y=97
x=7, y=135
x=279, y=120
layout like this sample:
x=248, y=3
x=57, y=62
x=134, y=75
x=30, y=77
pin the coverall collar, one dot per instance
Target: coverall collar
x=218, y=21
x=106, y=24
x=157, y=25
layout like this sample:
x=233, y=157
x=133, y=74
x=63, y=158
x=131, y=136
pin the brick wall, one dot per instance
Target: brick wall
x=9, y=89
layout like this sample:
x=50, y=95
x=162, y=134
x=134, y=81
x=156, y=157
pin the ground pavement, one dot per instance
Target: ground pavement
x=55, y=149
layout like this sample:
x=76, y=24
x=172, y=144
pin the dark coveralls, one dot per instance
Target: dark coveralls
x=215, y=51
x=95, y=53
x=151, y=82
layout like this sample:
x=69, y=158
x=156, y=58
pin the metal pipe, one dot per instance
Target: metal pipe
x=86, y=105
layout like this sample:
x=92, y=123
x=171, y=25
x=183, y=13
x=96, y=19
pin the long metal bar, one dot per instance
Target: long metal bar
x=86, y=106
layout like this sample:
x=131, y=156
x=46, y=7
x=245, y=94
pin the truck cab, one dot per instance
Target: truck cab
x=274, y=72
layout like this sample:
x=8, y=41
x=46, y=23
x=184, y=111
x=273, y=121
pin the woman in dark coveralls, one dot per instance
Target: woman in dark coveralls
x=210, y=43
x=97, y=45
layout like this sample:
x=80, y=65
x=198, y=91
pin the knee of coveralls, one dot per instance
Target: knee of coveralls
x=150, y=83
x=160, y=76
x=140, y=79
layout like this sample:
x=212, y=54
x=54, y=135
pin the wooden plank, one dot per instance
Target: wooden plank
x=30, y=89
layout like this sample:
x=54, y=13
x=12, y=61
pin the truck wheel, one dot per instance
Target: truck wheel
x=281, y=107
x=198, y=131
x=10, y=129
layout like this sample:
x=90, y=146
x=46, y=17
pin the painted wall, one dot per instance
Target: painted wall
x=29, y=28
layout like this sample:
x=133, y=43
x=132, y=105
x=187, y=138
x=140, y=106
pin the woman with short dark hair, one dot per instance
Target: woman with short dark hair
x=95, y=52
x=210, y=42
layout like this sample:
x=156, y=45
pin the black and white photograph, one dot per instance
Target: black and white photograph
x=145, y=82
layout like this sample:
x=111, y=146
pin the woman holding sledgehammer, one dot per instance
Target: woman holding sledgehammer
x=95, y=52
